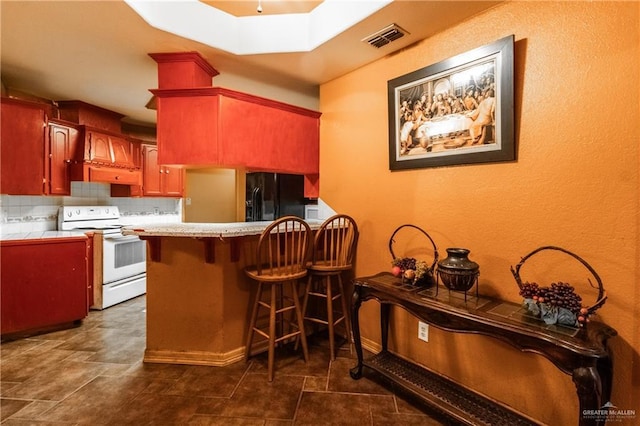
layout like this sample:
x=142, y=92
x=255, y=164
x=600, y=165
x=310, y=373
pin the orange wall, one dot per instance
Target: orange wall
x=575, y=185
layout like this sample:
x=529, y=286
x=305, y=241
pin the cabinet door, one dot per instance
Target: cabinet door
x=173, y=181
x=122, y=152
x=22, y=148
x=44, y=283
x=151, y=171
x=99, y=148
x=59, y=159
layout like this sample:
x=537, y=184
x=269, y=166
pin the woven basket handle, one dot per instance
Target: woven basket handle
x=602, y=297
x=435, y=249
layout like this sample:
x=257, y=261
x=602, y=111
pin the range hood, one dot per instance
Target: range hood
x=102, y=153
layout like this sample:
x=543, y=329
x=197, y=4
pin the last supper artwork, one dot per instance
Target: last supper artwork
x=448, y=113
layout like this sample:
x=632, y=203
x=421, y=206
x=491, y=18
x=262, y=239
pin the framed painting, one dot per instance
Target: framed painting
x=457, y=111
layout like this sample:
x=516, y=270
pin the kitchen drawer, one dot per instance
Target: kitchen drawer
x=112, y=175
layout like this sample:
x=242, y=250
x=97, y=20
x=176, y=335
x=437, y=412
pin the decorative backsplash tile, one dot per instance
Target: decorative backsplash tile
x=26, y=213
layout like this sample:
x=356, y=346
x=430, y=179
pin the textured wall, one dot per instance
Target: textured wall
x=575, y=184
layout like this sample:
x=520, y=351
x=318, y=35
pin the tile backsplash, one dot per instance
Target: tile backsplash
x=26, y=213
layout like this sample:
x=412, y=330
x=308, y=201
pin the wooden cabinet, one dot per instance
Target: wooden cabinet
x=122, y=152
x=158, y=180
x=41, y=155
x=106, y=158
x=22, y=147
x=63, y=143
x=97, y=148
x=109, y=150
x=35, y=153
x=44, y=283
x=200, y=125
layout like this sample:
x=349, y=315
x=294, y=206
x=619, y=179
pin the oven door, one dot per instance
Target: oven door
x=124, y=256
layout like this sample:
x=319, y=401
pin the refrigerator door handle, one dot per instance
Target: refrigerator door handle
x=256, y=200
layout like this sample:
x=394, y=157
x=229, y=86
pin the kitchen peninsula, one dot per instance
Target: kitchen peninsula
x=197, y=293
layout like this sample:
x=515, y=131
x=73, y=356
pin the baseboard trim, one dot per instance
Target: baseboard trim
x=214, y=359
x=370, y=345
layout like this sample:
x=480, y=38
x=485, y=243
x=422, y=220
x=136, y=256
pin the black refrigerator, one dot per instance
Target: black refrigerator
x=270, y=196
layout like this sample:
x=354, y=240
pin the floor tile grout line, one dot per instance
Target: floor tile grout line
x=244, y=375
x=295, y=412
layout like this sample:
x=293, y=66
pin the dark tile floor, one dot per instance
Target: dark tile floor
x=94, y=375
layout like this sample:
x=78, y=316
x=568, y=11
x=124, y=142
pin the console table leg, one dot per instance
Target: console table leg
x=589, y=387
x=605, y=370
x=356, y=372
x=385, y=309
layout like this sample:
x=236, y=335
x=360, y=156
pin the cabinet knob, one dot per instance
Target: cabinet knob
x=166, y=171
x=117, y=177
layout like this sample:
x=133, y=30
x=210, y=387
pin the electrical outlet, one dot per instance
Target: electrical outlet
x=423, y=331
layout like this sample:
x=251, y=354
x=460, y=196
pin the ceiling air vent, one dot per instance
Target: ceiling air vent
x=385, y=36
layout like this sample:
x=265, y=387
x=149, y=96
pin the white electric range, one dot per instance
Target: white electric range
x=120, y=262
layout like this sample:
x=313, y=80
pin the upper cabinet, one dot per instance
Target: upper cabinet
x=160, y=181
x=157, y=180
x=36, y=153
x=63, y=143
x=108, y=155
x=200, y=125
x=97, y=148
x=107, y=158
x=42, y=155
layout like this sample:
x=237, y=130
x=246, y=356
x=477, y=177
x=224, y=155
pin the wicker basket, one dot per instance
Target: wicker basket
x=427, y=279
x=547, y=311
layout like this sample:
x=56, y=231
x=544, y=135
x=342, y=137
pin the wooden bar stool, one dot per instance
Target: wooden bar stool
x=333, y=252
x=282, y=255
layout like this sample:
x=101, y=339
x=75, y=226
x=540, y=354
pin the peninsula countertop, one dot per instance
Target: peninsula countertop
x=204, y=230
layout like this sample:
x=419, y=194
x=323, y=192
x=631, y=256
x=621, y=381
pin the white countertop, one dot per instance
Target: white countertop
x=188, y=229
x=41, y=235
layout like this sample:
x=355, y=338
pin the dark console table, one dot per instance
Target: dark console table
x=580, y=352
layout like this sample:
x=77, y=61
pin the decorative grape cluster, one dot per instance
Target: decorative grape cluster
x=558, y=295
x=409, y=269
x=405, y=263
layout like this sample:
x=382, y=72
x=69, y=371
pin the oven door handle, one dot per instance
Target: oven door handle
x=118, y=238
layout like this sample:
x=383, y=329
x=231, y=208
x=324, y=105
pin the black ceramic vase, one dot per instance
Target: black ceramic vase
x=457, y=271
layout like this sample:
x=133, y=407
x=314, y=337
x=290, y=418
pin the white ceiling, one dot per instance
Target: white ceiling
x=97, y=51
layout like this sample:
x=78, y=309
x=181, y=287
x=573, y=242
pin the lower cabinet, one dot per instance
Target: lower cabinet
x=44, y=284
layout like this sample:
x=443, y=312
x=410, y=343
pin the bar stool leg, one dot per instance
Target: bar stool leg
x=302, y=335
x=328, y=285
x=345, y=312
x=252, y=322
x=272, y=330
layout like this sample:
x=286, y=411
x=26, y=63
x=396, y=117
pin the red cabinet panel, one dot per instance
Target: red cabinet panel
x=63, y=141
x=36, y=155
x=122, y=152
x=44, y=283
x=112, y=175
x=160, y=181
x=106, y=158
x=98, y=148
x=266, y=135
x=212, y=126
x=215, y=126
x=173, y=184
x=185, y=69
x=22, y=147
